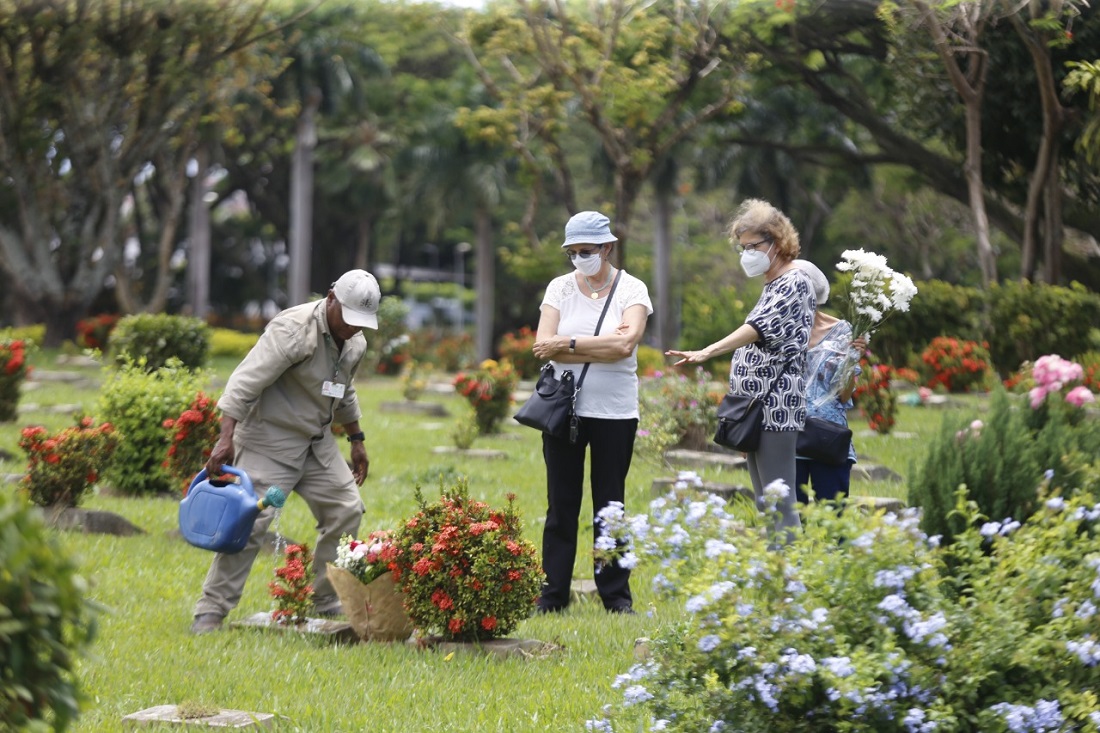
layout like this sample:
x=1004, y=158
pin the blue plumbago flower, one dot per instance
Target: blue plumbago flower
x=709, y=643
x=748, y=652
x=1087, y=609
x=1087, y=650
x=636, y=694
x=1045, y=716
x=774, y=493
x=895, y=578
x=744, y=609
x=990, y=529
x=1059, y=609
x=915, y=722
x=865, y=541
x=684, y=479
x=598, y=725
x=929, y=629
x=660, y=724
x=715, y=548
x=795, y=587
x=719, y=725
x=1095, y=719
x=762, y=690
x=1056, y=504
x=798, y=663
x=628, y=561
x=839, y=666
x=604, y=542
x=696, y=510
x=636, y=673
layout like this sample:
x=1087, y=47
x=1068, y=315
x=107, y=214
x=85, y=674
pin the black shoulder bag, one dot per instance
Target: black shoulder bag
x=741, y=419
x=551, y=408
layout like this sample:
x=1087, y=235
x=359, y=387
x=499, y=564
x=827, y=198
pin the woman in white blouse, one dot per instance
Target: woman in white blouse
x=607, y=403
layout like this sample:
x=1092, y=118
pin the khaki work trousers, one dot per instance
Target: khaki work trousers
x=332, y=496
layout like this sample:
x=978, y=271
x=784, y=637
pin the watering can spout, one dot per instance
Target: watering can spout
x=218, y=515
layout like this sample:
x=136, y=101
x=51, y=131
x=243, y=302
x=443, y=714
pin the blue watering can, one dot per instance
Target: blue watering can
x=218, y=515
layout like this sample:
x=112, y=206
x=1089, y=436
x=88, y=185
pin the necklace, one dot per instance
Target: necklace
x=595, y=290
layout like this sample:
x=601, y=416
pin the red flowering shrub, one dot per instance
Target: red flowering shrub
x=13, y=370
x=489, y=391
x=956, y=365
x=194, y=433
x=464, y=567
x=516, y=348
x=62, y=467
x=95, y=332
x=877, y=401
x=292, y=588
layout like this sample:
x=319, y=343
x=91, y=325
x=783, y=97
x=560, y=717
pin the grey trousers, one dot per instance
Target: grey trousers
x=332, y=496
x=775, y=459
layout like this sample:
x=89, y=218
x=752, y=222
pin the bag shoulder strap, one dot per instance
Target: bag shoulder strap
x=599, y=323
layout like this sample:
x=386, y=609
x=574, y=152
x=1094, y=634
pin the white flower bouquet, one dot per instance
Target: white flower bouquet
x=875, y=292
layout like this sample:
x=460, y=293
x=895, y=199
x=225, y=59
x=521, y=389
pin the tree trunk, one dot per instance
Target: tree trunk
x=662, y=247
x=987, y=262
x=486, y=283
x=198, y=265
x=301, y=201
x=364, y=243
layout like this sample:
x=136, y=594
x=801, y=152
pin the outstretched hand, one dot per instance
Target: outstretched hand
x=688, y=357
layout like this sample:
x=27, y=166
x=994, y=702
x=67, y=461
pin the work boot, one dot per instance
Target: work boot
x=204, y=623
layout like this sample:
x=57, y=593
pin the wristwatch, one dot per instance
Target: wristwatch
x=573, y=345
x=356, y=437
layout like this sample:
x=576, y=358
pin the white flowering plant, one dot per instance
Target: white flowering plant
x=865, y=623
x=874, y=292
x=366, y=559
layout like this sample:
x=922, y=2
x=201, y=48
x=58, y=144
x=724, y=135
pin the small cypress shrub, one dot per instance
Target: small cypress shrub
x=999, y=460
x=138, y=402
x=155, y=338
x=47, y=623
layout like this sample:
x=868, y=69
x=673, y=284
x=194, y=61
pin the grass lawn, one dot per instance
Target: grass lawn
x=144, y=656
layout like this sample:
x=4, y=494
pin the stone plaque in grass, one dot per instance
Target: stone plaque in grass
x=705, y=458
x=662, y=486
x=874, y=472
x=91, y=521
x=410, y=407
x=339, y=632
x=181, y=716
x=503, y=647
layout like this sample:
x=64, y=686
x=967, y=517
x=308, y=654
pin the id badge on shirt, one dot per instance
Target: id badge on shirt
x=333, y=389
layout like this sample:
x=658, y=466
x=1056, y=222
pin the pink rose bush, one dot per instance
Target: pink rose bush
x=1051, y=374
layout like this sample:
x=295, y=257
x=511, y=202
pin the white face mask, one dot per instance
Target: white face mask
x=588, y=265
x=755, y=262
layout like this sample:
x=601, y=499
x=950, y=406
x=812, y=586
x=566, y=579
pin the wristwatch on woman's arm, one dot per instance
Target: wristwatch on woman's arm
x=572, y=344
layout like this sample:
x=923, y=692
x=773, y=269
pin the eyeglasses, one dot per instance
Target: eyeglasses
x=583, y=255
x=752, y=246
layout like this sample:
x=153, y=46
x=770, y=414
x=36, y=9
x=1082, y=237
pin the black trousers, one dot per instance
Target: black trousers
x=612, y=443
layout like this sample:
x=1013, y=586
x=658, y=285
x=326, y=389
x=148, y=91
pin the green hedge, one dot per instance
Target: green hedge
x=46, y=623
x=156, y=338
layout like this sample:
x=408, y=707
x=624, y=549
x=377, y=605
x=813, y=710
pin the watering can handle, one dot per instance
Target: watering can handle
x=226, y=468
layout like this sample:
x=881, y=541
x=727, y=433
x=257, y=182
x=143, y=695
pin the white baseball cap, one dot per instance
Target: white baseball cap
x=358, y=293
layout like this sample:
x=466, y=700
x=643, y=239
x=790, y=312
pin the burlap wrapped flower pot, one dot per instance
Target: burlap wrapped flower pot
x=375, y=610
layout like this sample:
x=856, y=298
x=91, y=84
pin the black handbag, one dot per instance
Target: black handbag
x=551, y=407
x=740, y=422
x=824, y=441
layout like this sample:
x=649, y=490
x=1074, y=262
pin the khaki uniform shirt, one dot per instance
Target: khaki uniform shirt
x=275, y=392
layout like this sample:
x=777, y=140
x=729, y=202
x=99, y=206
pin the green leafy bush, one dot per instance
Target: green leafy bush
x=888, y=630
x=650, y=360
x=35, y=334
x=156, y=338
x=388, y=346
x=996, y=458
x=138, y=402
x=230, y=343
x=515, y=346
x=710, y=315
x=1028, y=320
x=678, y=407
x=939, y=309
x=47, y=623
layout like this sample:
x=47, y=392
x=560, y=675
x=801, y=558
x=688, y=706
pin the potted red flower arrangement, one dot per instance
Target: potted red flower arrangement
x=368, y=594
x=464, y=567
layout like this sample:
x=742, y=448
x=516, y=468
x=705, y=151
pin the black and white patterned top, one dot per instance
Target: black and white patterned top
x=783, y=317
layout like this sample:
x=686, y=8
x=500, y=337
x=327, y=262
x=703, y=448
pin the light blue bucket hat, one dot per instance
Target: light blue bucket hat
x=588, y=227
